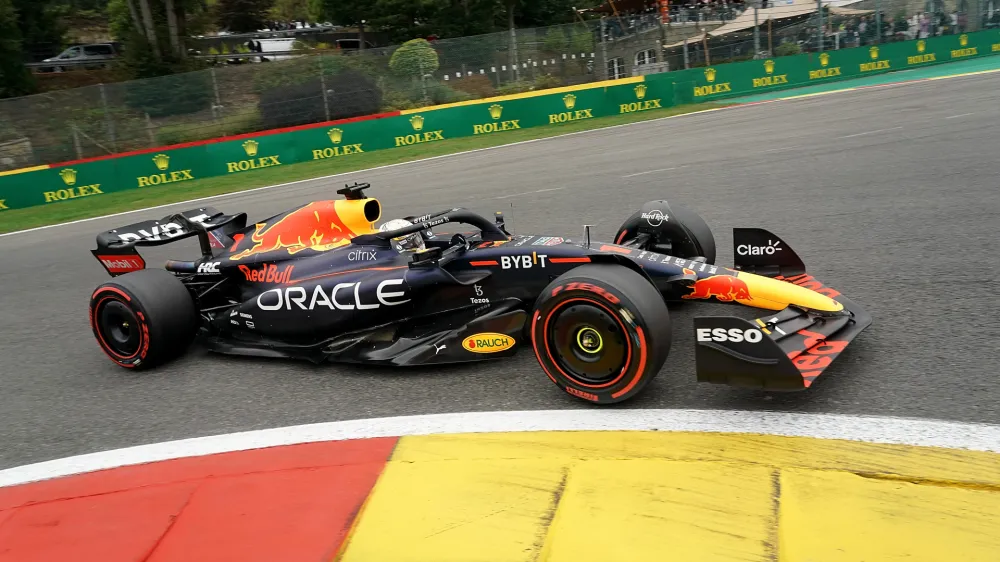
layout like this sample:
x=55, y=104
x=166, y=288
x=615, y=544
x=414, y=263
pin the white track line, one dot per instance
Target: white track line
x=903, y=431
x=847, y=89
x=648, y=172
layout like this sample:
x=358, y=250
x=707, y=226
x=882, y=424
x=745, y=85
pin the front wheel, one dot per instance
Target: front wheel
x=601, y=332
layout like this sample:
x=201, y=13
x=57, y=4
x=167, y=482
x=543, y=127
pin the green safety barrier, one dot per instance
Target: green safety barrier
x=171, y=167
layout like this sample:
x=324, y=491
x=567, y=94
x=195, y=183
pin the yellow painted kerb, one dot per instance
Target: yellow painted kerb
x=523, y=95
x=629, y=496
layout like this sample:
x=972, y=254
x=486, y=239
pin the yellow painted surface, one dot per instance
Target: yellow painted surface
x=523, y=95
x=773, y=294
x=631, y=495
x=23, y=170
x=619, y=510
x=770, y=450
x=836, y=516
x=457, y=511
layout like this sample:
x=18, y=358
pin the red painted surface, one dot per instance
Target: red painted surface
x=224, y=139
x=294, y=503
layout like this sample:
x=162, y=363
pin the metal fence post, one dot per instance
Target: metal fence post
x=76, y=142
x=150, y=130
x=108, y=118
x=215, y=88
x=687, y=61
x=819, y=30
x=604, y=52
x=756, y=33
x=322, y=87
x=878, y=22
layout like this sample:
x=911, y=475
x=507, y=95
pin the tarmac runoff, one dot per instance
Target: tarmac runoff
x=525, y=486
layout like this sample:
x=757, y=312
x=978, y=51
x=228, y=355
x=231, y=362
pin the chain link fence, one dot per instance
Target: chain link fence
x=239, y=94
x=789, y=27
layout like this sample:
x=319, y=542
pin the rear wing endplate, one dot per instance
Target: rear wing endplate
x=116, y=249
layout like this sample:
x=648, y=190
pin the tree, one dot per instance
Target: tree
x=41, y=25
x=15, y=80
x=414, y=59
x=291, y=10
x=242, y=16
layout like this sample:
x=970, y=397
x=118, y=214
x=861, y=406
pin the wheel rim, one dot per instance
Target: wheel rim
x=119, y=328
x=590, y=346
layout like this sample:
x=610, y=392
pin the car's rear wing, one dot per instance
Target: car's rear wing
x=116, y=249
x=786, y=350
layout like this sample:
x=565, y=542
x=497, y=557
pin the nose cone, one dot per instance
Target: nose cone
x=776, y=295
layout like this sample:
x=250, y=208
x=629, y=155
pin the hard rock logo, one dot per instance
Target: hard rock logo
x=963, y=39
x=710, y=74
x=336, y=135
x=162, y=162
x=417, y=122
x=570, y=101
x=769, y=66
x=250, y=147
x=921, y=45
x=640, y=91
x=496, y=110
x=824, y=59
x=873, y=52
x=68, y=176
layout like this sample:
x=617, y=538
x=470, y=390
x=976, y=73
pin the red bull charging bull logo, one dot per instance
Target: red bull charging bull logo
x=317, y=226
x=724, y=288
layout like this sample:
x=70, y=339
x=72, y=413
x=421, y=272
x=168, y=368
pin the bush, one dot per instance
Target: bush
x=555, y=40
x=514, y=88
x=349, y=94
x=414, y=59
x=395, y=100
x=478, y=86
x=547, y=81
x=177, y=94
x=787, y=49
x=227, y=126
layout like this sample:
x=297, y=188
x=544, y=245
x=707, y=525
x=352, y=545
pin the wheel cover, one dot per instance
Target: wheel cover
x=120, y=329
x=588, y=343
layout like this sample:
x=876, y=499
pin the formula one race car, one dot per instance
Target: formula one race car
x=321, y=282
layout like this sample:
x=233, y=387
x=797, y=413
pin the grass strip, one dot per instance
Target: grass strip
x=64, y=211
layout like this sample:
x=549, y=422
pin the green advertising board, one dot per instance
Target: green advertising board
x=168, y=167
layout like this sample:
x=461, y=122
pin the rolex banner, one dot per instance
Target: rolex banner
x=176, y=167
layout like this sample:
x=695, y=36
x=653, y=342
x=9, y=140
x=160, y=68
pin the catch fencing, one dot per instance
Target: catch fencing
x=171, y=167
x=240, y=95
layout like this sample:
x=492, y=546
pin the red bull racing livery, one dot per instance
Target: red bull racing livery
x=323, y=282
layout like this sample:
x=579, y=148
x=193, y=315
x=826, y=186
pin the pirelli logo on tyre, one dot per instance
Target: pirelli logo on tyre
x=488, y=342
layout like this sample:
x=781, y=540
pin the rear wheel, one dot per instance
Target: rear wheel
x=144, y=318
x=601, y=332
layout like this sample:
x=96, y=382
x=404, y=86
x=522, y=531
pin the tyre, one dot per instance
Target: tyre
x=143, y=319
x=601, y=332
x=702, y=243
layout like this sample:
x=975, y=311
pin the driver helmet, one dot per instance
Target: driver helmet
x=408, y=242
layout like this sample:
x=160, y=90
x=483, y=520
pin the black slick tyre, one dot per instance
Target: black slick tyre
x=143, y=319
x=702, y=243
x=601, y=332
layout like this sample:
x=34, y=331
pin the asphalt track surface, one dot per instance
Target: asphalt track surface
x=889, y=194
